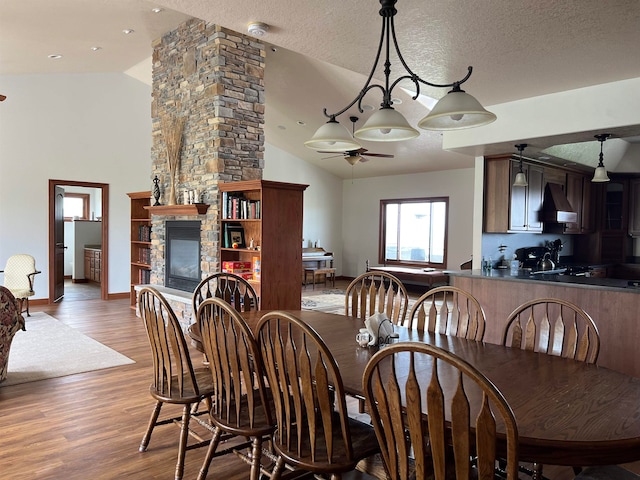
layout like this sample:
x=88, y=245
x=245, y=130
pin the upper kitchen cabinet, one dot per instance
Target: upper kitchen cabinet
x=508, y=208
x=634, y=207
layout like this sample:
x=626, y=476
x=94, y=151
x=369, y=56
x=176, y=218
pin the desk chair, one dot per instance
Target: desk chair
x=175, y=380
x=240, y=406
x=398, y=405
x=555, y=327
x=449, y=311
x=19, y=275
x=314, y=431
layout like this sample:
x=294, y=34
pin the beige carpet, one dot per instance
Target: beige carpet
x=49, y=348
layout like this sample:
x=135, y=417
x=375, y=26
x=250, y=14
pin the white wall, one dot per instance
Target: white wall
x=361, y=213
x=322, y=199
x=89, y=127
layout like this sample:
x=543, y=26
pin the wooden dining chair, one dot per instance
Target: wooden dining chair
x=461, y=405
x=314, y=431
x=240, y=405
x=449, y=311
x=175, y=380
x=230, y=287
x=555, y=327
x=377, y=292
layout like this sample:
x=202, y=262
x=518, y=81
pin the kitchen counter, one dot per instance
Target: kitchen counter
x=611, y=303
x=568, y=280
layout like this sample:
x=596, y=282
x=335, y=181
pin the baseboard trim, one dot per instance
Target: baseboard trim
x=118, y=296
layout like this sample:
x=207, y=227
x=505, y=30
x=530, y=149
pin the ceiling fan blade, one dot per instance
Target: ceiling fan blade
x=332, y=156
x=382, y=155
x=3, y=98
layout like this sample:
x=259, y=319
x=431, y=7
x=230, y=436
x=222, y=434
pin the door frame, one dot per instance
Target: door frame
x=104, y=271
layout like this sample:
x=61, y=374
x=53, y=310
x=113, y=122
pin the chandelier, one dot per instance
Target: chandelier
x=456, y=110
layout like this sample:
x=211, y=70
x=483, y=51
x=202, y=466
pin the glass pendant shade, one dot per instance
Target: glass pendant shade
x=332, y=137
x=456, y=110
x=600, y=175
x=353, y=159
x=521, y=180
x=386, y=125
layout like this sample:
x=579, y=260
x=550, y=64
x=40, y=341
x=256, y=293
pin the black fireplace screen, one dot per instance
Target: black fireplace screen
x=182, y=255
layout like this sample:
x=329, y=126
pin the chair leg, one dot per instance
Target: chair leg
x=256, y=454
x=277, y=470
x=152, y=423
x=182, y=446
x=210, y=452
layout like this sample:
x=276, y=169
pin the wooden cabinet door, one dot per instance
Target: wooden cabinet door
x=634, y=207
x=496, y=195
x=526, y=202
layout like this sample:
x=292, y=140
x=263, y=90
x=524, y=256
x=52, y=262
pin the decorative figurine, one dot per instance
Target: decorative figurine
x=156, y=191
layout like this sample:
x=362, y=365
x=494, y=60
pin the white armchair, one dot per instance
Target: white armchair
x=19, y=273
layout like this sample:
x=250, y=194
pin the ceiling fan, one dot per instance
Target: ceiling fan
x=359, y=155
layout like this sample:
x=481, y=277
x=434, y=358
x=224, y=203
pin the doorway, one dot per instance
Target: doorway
x=57, y=241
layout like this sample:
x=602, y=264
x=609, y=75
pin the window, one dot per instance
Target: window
x=76, y=206
x=414, y=231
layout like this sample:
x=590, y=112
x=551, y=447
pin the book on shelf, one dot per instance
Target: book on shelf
x=144, y=276
x=144, y=256
x=236, y=207
x=144, y=233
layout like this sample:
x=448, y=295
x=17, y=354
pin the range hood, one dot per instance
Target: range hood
x=555, y=206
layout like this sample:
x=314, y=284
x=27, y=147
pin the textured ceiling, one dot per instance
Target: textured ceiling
x=324, y=50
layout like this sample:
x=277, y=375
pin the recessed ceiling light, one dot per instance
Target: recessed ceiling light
x=55, y=56
x=95, y=49
x=396, y=101
x=282, y=127
x=128, y=31
x=367, y=108
x=156, y=10
x=300, y=122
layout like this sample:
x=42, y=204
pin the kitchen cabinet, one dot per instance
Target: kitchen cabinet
x=526, y=202
x=634, y=207
x=508, y=208
x=93, y=264
x=579, y=196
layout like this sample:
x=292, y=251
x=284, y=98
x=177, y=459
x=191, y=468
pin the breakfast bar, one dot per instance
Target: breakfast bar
x=612, y=303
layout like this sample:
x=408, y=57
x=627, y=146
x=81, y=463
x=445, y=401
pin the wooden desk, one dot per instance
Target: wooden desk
x=568, y=412
x=415, y=276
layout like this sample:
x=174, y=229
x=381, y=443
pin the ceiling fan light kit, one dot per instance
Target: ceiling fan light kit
x=454, y=111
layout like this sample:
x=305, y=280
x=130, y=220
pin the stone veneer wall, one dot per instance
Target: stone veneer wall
x=215, y=77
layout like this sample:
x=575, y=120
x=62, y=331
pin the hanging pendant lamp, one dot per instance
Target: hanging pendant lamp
x=600, y=174
x=521, y=179
x=454, y=111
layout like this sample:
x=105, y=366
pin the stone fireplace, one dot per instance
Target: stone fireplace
x=215, y=78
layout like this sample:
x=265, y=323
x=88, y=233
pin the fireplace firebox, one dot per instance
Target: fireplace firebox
x=182, y=255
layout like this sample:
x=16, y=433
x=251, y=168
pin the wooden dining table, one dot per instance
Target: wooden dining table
x=568, y=412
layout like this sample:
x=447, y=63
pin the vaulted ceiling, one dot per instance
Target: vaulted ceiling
x=320, y=53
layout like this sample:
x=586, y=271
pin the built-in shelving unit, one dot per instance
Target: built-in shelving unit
x=140, y=242
x=189, y=209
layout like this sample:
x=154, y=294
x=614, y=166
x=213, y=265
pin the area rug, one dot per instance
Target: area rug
x=49, y=348
x=330, y=301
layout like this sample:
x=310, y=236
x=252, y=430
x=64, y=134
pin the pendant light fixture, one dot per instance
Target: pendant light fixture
x=454, y=111
x=521, y=179
x=600, y=175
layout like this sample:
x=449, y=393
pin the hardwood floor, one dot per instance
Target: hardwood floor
x=90, y=425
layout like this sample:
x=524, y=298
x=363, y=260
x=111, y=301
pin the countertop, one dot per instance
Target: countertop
x=567, y=280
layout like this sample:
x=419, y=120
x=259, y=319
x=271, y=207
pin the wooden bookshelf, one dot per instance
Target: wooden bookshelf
x=276, y=234
x=140, y=240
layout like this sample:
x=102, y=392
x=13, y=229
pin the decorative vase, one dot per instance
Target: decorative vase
x=172, y=193
x=156, y=191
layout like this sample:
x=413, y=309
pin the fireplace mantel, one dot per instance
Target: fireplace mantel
x=190, y=209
